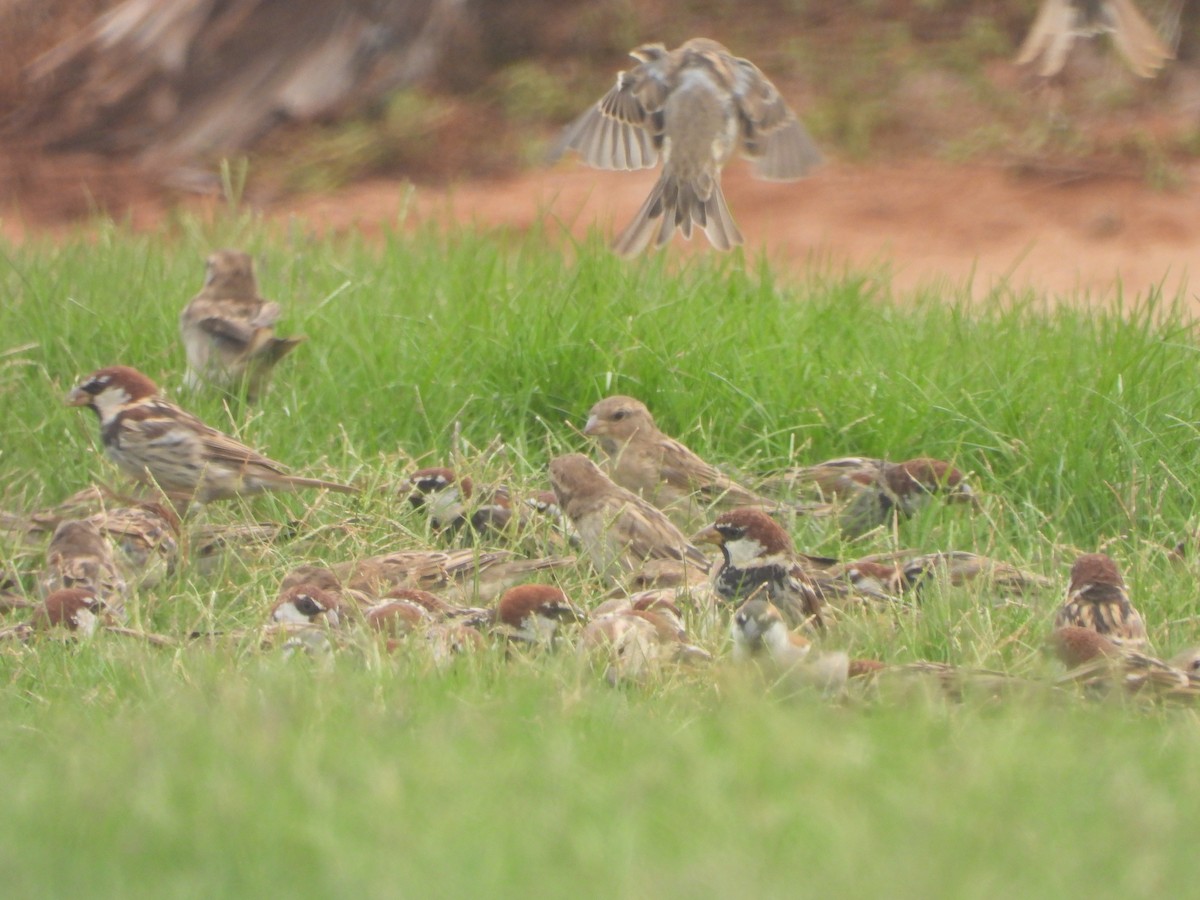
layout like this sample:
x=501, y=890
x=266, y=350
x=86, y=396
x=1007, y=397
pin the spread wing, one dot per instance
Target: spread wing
x=620, y=131
x=772, y=136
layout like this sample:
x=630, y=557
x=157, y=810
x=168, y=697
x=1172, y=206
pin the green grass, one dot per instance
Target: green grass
x=135, y=770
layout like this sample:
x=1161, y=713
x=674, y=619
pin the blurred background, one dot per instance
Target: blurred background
x=321, y=93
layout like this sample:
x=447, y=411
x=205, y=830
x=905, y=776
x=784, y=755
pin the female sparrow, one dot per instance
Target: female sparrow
x=155, y=441
x=617, y=529
x=228, y=330
x=697, y=105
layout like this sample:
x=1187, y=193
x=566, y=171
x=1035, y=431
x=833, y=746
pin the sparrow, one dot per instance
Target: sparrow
x=842, y=477
x=1060, y=22
x=396, y=617
x=310, y=605
x=618, y=530
x=145, y=537
x=951, y=567
x=453, y=504
x=155, y=441
x=462, y=574
x=902, y=489
x=1094, y=660
x=80, y=557
x=228, y=330
x=532, y=613
x=696, y=105
x=1097, y=599
x=77, y=610
x=629, y=647
x=640, y=458
x=760, y=633
x=759, y=563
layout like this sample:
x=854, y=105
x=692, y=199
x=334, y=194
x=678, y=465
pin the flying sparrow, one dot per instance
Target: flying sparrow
x=901, y=489
x=155, y=441
x=759, y=563
x=1060, y=22
x=617, y=529
x=697, y=105
x=229, y=331
x=640, y=458
x=1097, y=599
x=80, y=557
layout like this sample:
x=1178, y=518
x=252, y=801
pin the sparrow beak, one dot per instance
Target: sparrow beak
x=592, y=423
x=78, y=397
x=709, y=535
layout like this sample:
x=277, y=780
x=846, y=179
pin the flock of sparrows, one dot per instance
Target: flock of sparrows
x=698, y=105
x=627, y=515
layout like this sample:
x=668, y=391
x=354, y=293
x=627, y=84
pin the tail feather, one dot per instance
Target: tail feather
x=678, y=204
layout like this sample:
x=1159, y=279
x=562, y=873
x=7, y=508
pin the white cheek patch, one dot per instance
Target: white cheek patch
x=743, y=551
x=288, y=613
x=86, y=622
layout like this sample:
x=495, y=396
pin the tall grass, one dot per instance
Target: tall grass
x=223, y=769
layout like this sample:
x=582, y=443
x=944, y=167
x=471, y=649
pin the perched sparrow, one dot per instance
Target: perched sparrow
x=1097, y=599
x=155, y=441
x=396, y=617
x=902, y=489
x=1060, y=22
x=642, y=459
x=229, y=331
x=759, y=629
x=759, y=563
x=449, y=640
x=629, y=647
x=696, y=105
x=533, y=612
x=618, y=530
x=75, y=609
x=80, y=557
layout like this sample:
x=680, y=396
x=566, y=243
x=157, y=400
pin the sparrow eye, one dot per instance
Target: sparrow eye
x=307, y=606
x=619, y=415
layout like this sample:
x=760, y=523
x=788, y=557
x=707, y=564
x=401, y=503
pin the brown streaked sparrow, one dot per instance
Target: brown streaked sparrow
x=759, y=562
x=833, y=478
x=228, y=330
x=641, y=458
x=617, y=529
x=1060, y=22
x=760, y=633
x=1097, y=599
x=155, y=441
x=901, y=489
x=307, y=604
x=696, y=105
x=80, y=557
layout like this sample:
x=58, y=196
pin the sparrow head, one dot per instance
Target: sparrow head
x=307, y=604
x=1188, y=661
x=614, y=421
x=1095, y=570
x=76, y=609
x=107, y=390
x=1076, y=645
x=545, y=503
x=436, y=480
x=534, y=611
x=311, y=576
x=575, y=475
x=759, y=626
x=649, y=53
x=231, y=272
x=747, y=535
x=915, y=478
